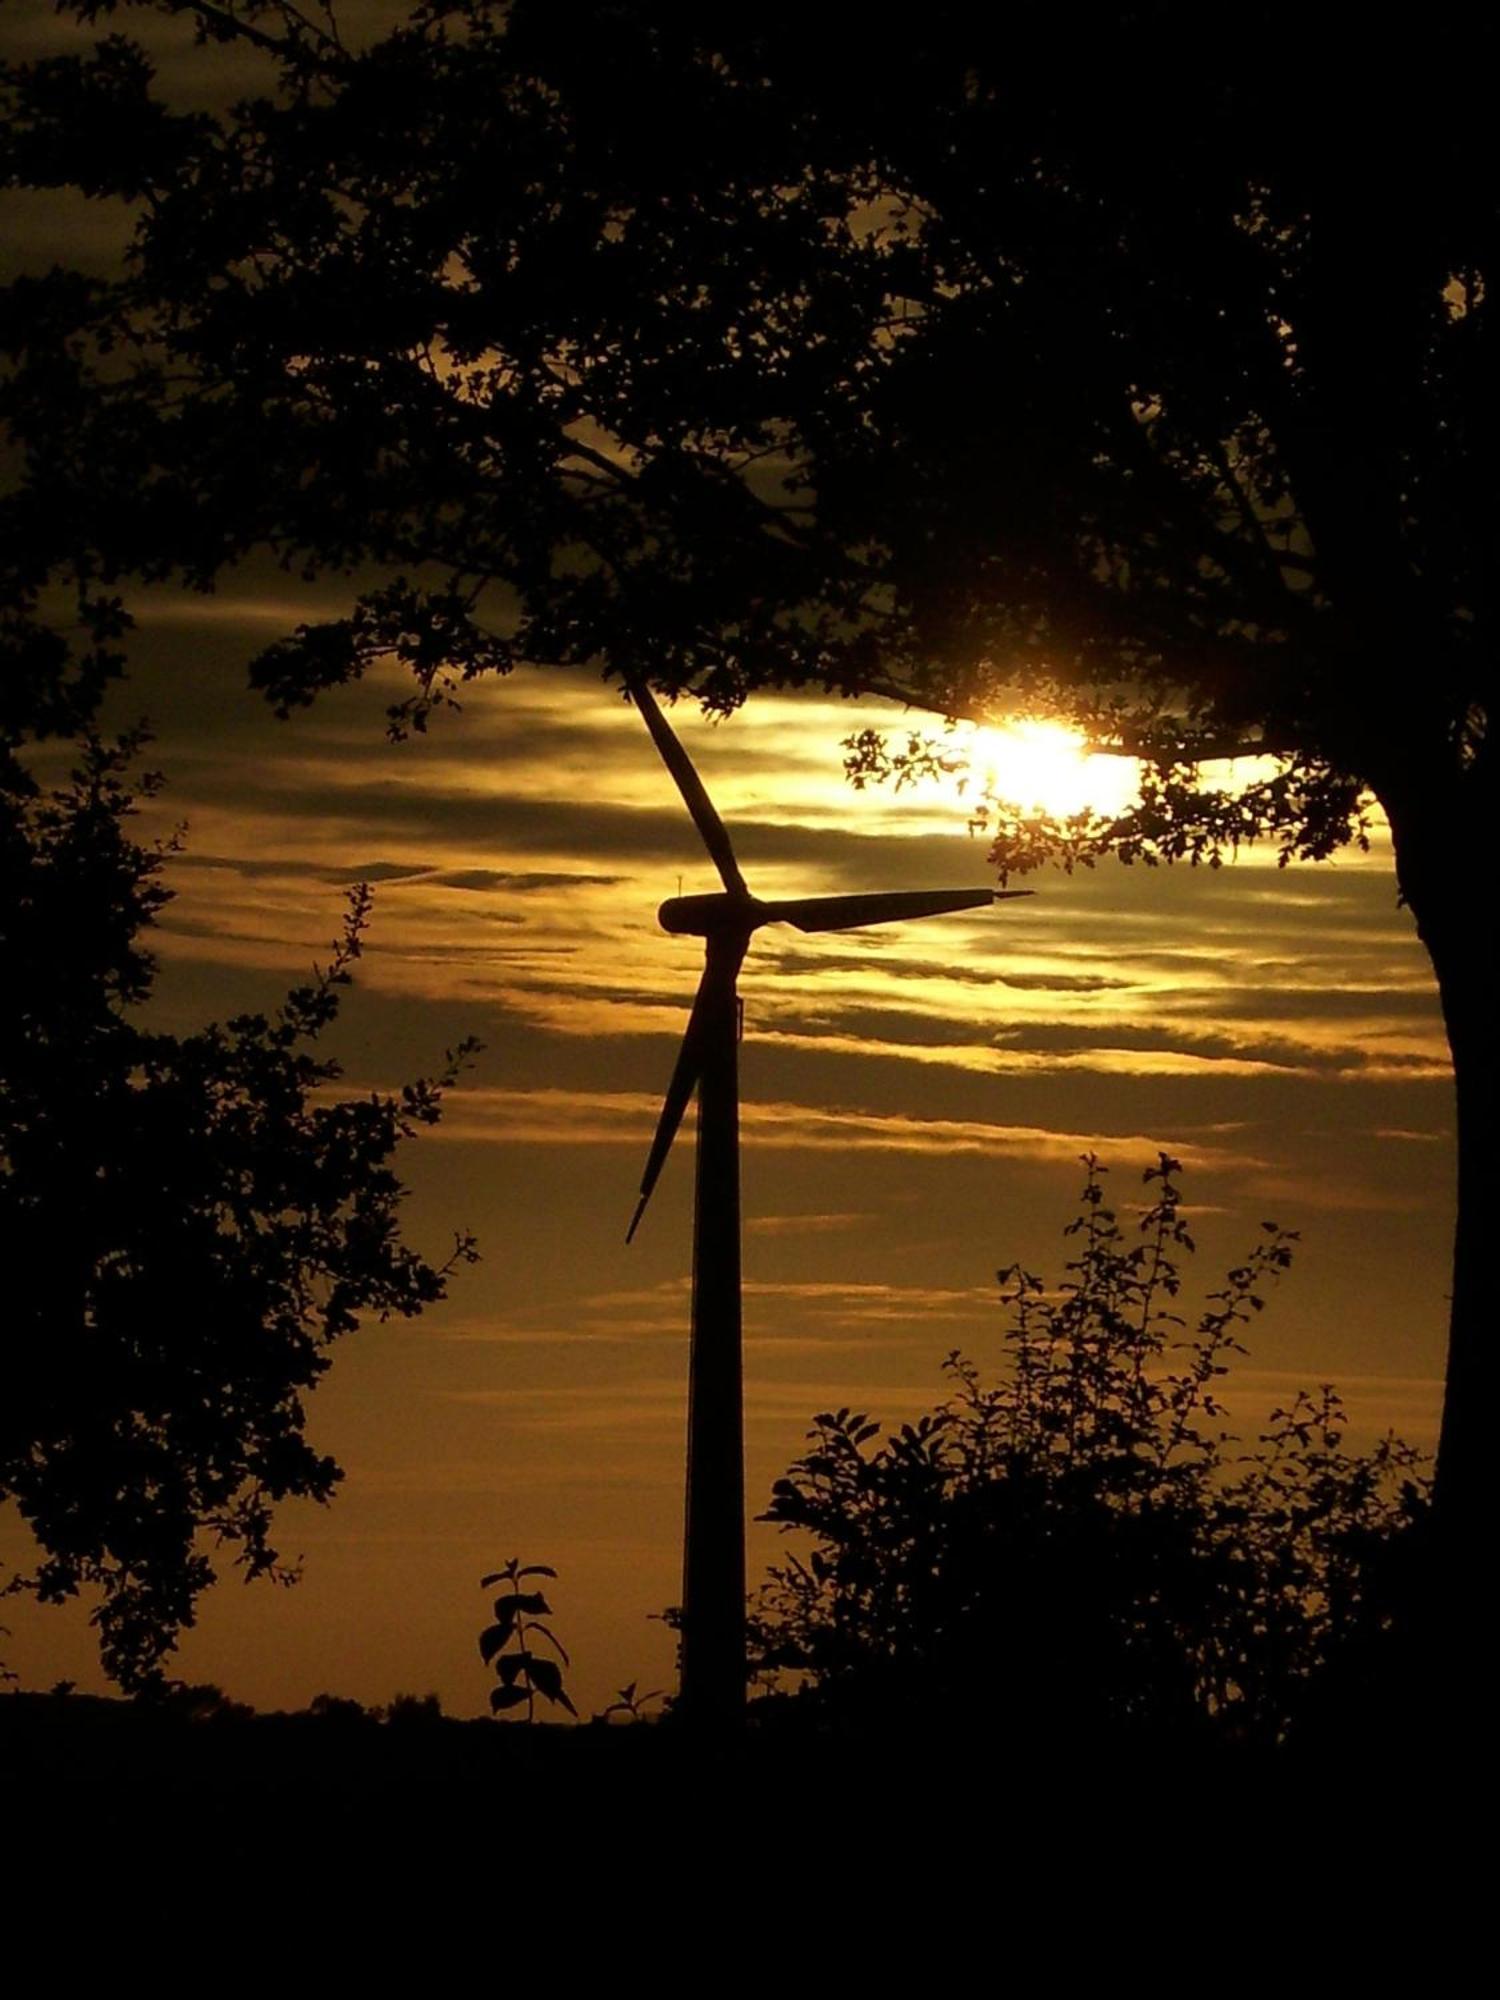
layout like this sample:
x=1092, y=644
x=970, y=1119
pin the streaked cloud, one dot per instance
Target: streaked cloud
x=609, y=1118
x=806, y=1225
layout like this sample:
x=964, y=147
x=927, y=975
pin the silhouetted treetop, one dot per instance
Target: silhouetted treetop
x=729, y=345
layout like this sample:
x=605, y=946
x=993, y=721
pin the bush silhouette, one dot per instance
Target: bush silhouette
x=1079, y=1543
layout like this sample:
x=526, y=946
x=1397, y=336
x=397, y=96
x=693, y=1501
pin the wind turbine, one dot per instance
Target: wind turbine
x=713, y=1583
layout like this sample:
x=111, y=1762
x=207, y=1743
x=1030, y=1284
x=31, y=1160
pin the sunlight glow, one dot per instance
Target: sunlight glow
x=1046, y=766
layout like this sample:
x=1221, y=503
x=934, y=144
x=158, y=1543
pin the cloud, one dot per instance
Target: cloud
x=988, y=1060
x=498, y=1116
x=429, y=874
x=523, y=884
x=654, y=1406
x=1330, y=1194
x=800, y=959
x=806, y=1225
x=225, y=608
x=1410, y=1405
x=1061, y=982
x=292, y=869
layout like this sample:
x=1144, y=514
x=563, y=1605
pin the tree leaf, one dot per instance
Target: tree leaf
x=546, y=1678
x=491, y=1639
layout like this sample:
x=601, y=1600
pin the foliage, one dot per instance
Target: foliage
x=1076, y=1543
x=523, y=1674
x=716, y=341
x=187, y=1223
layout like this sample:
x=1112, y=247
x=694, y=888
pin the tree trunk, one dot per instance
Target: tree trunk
x=1440, y=831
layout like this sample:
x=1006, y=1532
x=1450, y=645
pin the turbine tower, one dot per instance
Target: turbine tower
x=713, y=1581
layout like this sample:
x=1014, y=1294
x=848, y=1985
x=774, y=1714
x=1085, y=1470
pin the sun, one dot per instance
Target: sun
x=1047, y=767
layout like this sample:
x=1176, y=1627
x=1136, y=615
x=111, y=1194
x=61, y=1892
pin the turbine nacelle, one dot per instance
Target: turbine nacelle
x=707, y=916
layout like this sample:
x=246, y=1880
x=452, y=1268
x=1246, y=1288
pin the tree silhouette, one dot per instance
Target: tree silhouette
x=721, y=346
x=187, y=1225
x=1078, y=1545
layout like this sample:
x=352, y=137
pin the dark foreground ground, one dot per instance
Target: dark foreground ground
x=852, y=1844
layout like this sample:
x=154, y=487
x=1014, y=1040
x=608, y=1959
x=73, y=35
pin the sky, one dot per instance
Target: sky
x=916, y=1102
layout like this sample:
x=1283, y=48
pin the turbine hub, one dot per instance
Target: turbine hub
x=707, y=916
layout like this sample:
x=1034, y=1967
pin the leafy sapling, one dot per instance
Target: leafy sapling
x=523, y=1673
x=632, y=1706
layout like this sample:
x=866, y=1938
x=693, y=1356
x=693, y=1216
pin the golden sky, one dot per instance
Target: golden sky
x=916, y=1099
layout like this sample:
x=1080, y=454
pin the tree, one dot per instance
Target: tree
x=1074, y=1555
x=723, y=347
x=187, y=1225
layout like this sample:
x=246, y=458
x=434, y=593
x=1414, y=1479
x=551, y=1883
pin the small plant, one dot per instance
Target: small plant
x=631, y=1705
x=523, y=1673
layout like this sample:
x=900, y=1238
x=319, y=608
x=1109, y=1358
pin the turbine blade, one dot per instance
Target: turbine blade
x=847, y=913
x=713, y=830
x=679, y=1096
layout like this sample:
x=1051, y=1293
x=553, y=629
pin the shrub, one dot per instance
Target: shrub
x=1077, y=1545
